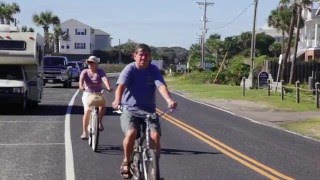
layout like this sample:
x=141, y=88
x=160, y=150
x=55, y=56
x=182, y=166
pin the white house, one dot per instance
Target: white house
x=81, y=39
x=102, y=40
x=309, y=43
x=277, y=35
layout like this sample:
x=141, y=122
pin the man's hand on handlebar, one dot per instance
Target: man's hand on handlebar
x=172, y=104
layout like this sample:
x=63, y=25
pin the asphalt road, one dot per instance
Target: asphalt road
x=198, y=142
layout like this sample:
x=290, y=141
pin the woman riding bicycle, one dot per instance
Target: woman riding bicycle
x=136, y=89
x=90, y=81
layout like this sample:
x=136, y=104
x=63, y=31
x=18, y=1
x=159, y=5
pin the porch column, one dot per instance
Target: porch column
x=315, y=35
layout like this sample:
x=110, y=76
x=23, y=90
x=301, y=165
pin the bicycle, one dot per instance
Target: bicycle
x=143, y=161
x=96, y=100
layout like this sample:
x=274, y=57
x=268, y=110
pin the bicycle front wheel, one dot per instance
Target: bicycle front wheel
x=150, y=165
x=94, y=130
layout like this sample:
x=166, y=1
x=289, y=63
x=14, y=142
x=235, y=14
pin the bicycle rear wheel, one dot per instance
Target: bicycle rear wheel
x=94, y=130
x=150, y=165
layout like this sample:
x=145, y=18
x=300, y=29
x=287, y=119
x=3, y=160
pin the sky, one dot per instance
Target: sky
x=159, y=23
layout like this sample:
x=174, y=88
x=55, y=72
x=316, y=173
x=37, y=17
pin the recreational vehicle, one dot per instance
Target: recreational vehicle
x=21, y=67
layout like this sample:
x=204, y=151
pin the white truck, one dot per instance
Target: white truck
x=21, y=67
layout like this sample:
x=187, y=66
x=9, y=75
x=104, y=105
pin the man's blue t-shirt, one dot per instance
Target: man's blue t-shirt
x=141, y=85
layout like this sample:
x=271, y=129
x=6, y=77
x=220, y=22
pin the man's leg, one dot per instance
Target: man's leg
x=128, y=144
x=155, y=136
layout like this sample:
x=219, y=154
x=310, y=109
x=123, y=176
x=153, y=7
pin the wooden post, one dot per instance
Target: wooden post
x=220, y=68
x=244, y=86
x=298, y=91
x=317, y=93
x=282, y=90
x=269, y=84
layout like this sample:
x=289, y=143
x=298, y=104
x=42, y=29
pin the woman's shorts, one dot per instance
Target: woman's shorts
x=128, y=121
x=85, y=100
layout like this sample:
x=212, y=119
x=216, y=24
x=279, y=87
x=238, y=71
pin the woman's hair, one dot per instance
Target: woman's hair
x=143, y=47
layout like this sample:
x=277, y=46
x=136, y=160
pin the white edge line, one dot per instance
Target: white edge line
x=68, y=144
x=199, y=102
x=252, y=120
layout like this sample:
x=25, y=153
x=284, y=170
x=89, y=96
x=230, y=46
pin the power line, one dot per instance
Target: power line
x=235, y=17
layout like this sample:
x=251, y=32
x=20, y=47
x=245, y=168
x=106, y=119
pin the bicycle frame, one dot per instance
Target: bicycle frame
x=144, y=161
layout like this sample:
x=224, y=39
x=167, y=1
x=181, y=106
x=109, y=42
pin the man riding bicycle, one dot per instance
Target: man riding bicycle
x=136, y=87
x=90, y=81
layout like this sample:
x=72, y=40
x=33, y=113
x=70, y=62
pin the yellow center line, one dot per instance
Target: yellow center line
x=227, y=150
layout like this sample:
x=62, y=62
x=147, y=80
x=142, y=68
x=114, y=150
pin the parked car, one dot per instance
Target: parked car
x=56, y=70
x=75, y=70
x=82, y=64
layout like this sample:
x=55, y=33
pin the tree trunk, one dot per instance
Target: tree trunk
x=284, y=62
x=46, y=39
x=294, y=61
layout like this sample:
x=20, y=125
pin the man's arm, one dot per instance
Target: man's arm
x=118, y=95
x=166, y=95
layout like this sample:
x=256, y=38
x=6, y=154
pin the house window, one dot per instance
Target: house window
x=68, y=47
x=80, y=31
x=62, y=46
x=79, y=45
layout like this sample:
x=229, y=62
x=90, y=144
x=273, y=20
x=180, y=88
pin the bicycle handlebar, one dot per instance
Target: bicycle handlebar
x=141, y=113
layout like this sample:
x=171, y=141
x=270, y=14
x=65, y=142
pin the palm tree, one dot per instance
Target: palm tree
x=45, y=19
x=57, y=32
x=293, y=6
x=280, y=19
x=299, y=5
x=7, y=11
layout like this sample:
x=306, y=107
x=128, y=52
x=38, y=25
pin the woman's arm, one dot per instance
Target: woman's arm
x=106, y=82
x=81, y=81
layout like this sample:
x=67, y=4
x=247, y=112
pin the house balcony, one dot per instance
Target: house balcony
x=311, y=43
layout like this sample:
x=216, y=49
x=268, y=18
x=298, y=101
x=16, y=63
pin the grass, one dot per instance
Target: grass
x=216, y=92
x=309, y=127
x=112, y=68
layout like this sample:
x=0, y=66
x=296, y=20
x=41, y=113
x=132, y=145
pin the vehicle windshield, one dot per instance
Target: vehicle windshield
x=54, y=61
x=72, y=64
x=11, y=73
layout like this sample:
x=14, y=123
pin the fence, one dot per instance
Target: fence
x=297, y=89
x=303, y=70
x=282, y=88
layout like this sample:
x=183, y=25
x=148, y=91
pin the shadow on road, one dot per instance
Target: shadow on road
x=116, y=150
x=107, y=149
x=48, y=109
x=184, y=152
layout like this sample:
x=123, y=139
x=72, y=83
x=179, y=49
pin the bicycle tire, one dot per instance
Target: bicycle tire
x=95, y=131
x=150, y=165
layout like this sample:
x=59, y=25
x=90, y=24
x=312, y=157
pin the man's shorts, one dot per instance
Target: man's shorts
x=128, y=121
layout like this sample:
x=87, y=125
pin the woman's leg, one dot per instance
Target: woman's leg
x=102, y=110
x=85, y=122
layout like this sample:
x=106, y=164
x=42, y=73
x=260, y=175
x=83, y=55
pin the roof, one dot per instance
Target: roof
x=100, y=32
x=74, y=21
x=269, y=30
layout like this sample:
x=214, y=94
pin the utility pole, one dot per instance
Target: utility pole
x=253, y=44
x=119, y=60
x=199, y=39
x=204, y=30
